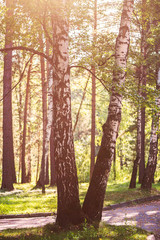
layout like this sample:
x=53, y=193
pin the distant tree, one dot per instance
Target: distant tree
x=138, y=146
x=23, y=173
x=29, y=157
x=143, y=79
x=44, y=108
x=93, y=120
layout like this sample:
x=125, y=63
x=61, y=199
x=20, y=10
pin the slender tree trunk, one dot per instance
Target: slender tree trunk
x=23, y=173
x=114, y=165
x=69, y=209
x=93, y=203
x=20, y=130
x=38, y=157
x=121, y=155
x=53, y=180
x=20, y=120
x=138, y=151
x=44, y=107
x=152, y=159
x=8, y=167
x=138, y=147
x=28, y=176
x=93, y=122
x=142, y=159
x=143, y=81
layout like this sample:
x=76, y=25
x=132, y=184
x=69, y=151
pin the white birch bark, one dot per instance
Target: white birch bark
x=93, y=203
x=69, y=209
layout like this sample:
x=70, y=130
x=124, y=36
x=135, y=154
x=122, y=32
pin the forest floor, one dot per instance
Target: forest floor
x=26, y=200
x=144, y=215
x=121, y=207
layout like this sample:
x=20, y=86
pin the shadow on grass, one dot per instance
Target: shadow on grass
x=50, y=232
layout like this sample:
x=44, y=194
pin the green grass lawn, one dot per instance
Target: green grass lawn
x=24, y=200
x=49, y=232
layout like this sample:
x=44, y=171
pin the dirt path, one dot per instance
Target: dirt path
x=145, y=216
x=33, y=222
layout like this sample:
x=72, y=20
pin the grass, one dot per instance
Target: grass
x=119, y=192
x=23, y=200
x=50, y=232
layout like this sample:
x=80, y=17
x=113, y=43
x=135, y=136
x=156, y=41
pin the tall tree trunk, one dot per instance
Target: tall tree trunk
x=44, y=177
x=138, y=152
x=53, y=174
x=23, y=173
x=44, y=107
x=152, y=159
x=53, y=180
x=114, y=165
x=138, y=147
x=28, y=176
x=20, y=130
x=93, y=122
x=143, y=81
x=121, y=154
x=93, y=203
x=69, y=209
x=8, y=167
x=20, y=120
x=38, y=157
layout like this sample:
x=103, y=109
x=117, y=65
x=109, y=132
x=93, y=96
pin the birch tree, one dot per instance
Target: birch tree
x=93, y=203
x=69, y=209
x=152, y=159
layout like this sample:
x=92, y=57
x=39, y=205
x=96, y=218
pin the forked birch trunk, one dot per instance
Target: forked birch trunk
x=69, y=209
x=93, y=203
x=152, y=159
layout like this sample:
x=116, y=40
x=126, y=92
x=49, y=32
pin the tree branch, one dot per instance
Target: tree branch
x=21, y=77
x=77, y=116
x=101, y=80
x=100, y=65
x=32, y=50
